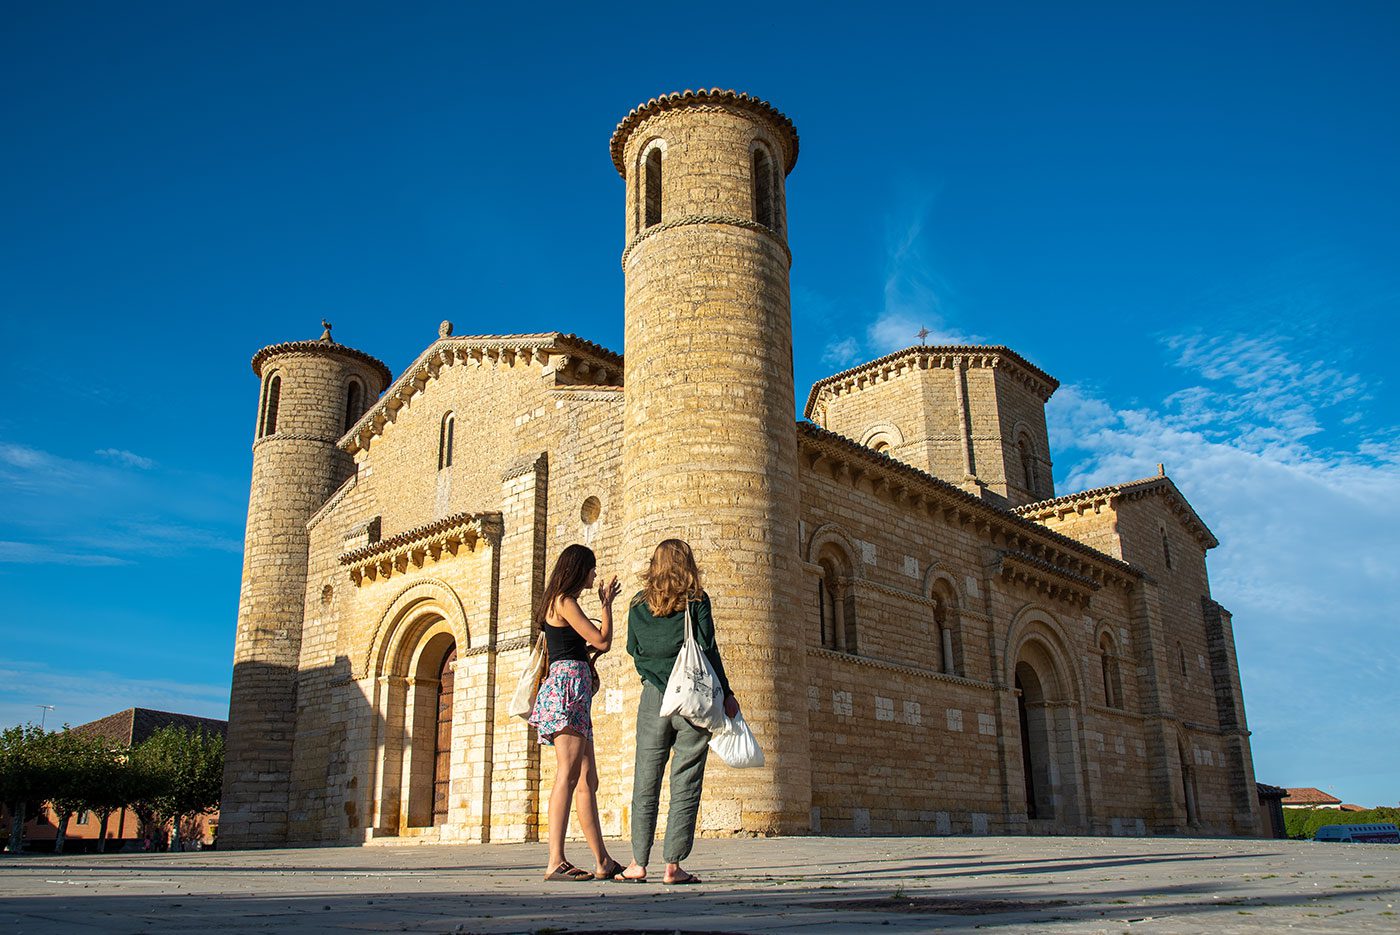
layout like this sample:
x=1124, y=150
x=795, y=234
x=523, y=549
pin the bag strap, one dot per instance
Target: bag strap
x=689, y=628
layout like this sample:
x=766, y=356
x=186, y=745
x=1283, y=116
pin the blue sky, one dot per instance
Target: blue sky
x=1186, y=212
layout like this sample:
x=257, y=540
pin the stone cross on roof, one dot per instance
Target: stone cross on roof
x=923, y=335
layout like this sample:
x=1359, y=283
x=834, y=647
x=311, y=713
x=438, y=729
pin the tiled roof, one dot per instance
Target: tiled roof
x=323, y=346
x=1270, y=792
x=1158, y=483
x=1307, y=795
x=812, y=433
x=679, y=99
x=134, y=725
x=933, y=356
x=599, y=366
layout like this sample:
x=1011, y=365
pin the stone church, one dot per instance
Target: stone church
x=925, y=637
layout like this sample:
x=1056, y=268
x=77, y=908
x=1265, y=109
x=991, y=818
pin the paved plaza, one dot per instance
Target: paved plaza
x=818, y=884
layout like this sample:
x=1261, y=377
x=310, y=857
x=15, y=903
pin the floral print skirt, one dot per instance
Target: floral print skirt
x=564, y=701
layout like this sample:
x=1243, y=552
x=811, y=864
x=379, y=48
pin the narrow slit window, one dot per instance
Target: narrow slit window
x=354, y=404
x=274, y=398
x=449, y=422
x=653, y=188
x=763, y=188
x=1166, y=549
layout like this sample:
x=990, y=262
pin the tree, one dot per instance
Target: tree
x=184, y=773
x=120, y=789
x=24, y=775
x=80, y=769
x=80, y=776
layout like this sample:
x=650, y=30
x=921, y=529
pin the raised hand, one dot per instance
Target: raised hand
x=607, y=592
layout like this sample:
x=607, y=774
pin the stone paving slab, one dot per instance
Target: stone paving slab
x=779, y=885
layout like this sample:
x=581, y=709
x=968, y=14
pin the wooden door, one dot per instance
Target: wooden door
x=442, y=758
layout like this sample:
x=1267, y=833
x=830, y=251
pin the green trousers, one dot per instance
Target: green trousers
x=657, y=738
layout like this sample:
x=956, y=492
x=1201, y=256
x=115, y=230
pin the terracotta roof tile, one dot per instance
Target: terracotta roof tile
x=1307, y=795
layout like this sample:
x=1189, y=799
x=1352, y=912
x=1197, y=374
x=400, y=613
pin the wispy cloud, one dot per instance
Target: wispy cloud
x=91, y=694
x=913, y=296
x=127, y=458
x=108, y=510
x=842, y=353
x=1307, y=531
x=30, y=553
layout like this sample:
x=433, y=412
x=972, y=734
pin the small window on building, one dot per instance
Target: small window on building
x=880, y=446
x=763, y=188
x=1112, y=680
x=945, y=629
x=354, y=403
x=445, y=441
x=83, y=816
x=1181, y=659
x=272, y=398
x=836, y=602
x=1166, y=548
x=1028, y=465
x=652, y=188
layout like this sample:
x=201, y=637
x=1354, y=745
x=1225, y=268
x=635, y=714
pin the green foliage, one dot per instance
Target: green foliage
x=80, y=767
x=176, y=772
x=24, y=765
x=1303, y=822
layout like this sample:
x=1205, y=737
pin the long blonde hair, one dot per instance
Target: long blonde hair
x=671, y=579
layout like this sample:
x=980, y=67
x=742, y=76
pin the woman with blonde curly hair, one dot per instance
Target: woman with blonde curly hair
x=655, y=633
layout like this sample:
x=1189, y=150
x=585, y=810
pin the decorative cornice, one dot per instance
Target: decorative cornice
x=1099, y=497
x=932, y=357
x=322, y=346
x=712, y=99
x=906, y=484
x=576, y=361
x=421, y=545
x=294, y=437
x=688, y=220
x=920, y=671
x=587, y=394
x=1047, y=578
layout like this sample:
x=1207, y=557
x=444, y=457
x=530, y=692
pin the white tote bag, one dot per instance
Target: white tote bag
x=523, y=701
x=736, y=744
x=693, y=690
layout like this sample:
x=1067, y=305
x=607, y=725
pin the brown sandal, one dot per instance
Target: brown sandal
x=611, y=871
x=567, y=873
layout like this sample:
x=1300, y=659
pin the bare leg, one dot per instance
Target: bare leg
x=568, y=759
x=587, y=804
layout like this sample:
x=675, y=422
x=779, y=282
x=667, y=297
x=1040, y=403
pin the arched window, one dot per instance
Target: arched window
x=445, y=441
x=944, y=618
x=272, y=398
x=354, y=403
x=1166, y=548
x=880, y=446
x=1112, y=681
x=763, y=188
x=836, y=602
x=1028, y=467
x=652, y=188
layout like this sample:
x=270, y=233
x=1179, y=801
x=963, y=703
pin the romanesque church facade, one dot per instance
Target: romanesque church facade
x=924, y=636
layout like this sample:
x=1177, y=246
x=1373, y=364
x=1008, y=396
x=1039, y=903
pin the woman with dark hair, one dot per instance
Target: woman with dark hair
x=655, y=633
x=562, y=712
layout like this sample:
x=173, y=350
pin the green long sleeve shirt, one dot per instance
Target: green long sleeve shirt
x=654, y=642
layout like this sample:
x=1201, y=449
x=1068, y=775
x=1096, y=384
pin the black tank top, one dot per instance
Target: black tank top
x=565, y=643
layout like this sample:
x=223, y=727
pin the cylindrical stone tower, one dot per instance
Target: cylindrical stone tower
x=710, y=445
x=311, y=393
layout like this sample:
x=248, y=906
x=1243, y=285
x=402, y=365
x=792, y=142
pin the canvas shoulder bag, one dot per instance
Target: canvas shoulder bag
x=693, y=690
x=522, y=702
